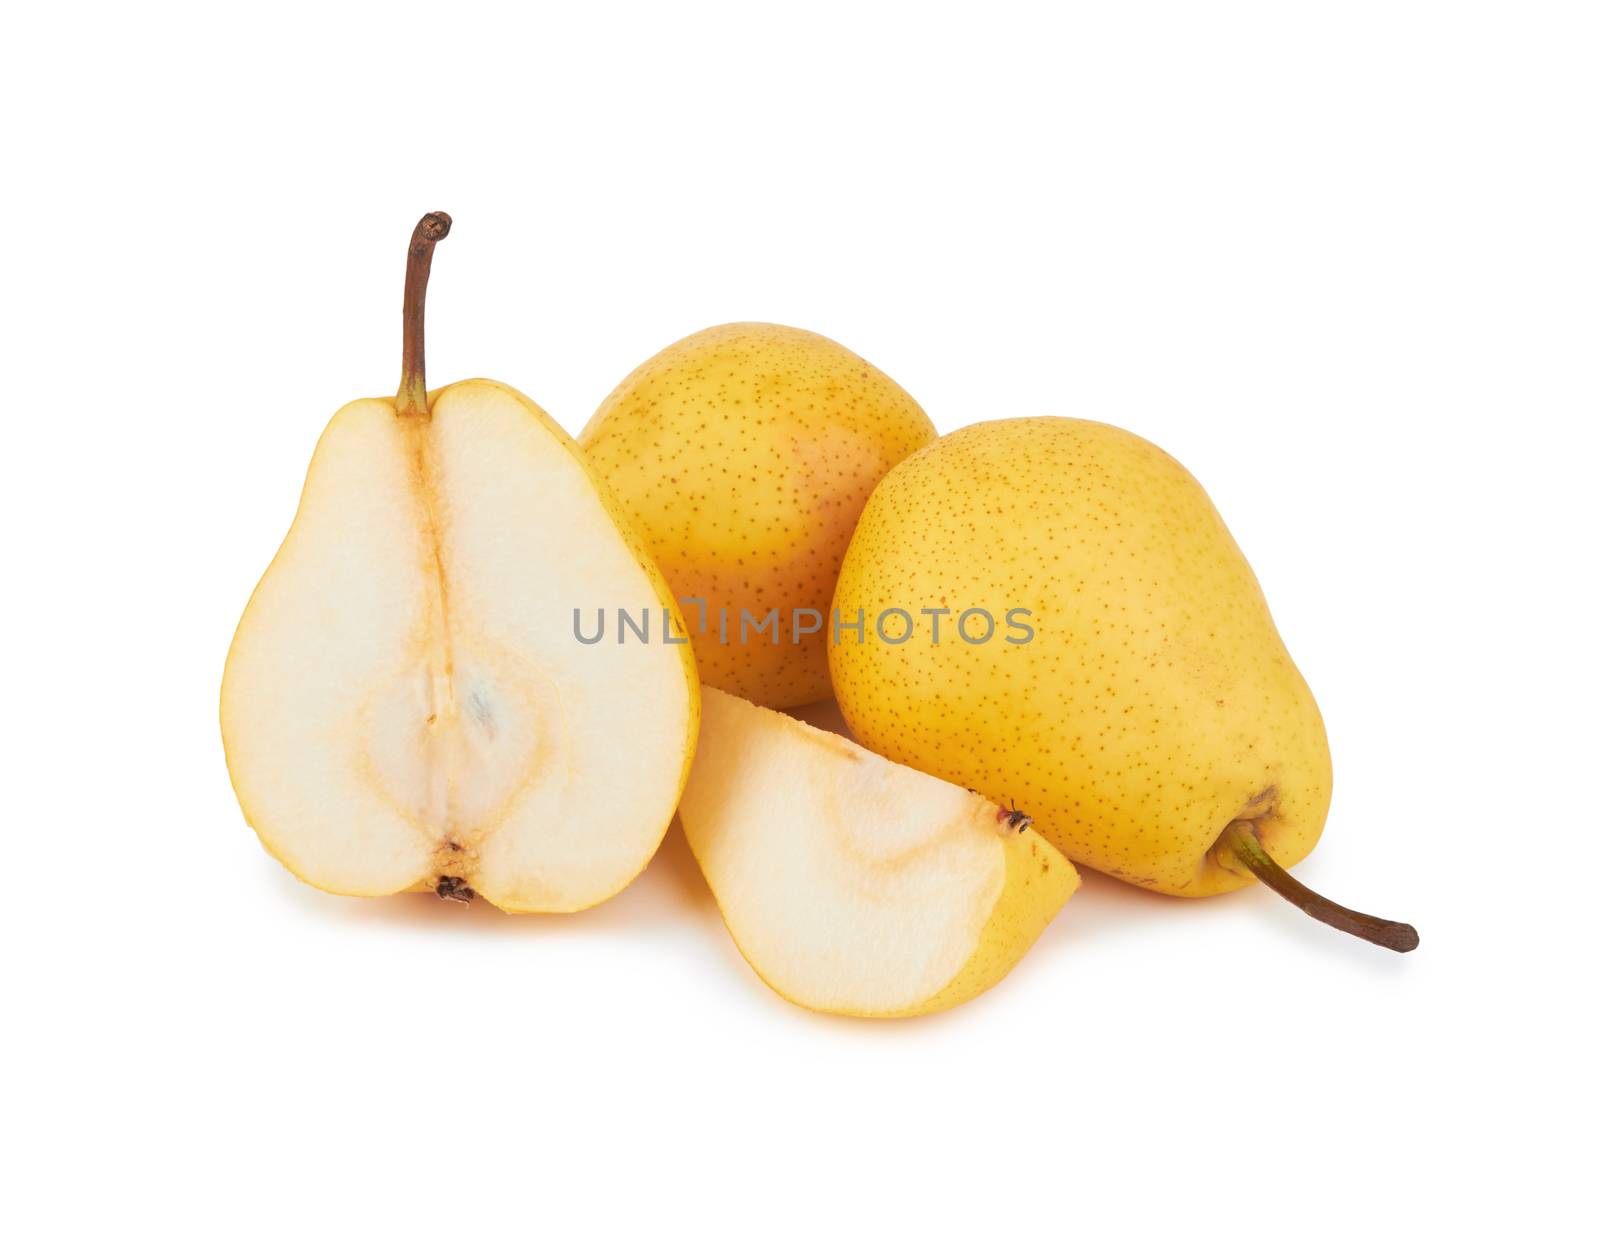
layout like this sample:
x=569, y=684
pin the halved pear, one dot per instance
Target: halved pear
x=852, y=884
x=406, y=704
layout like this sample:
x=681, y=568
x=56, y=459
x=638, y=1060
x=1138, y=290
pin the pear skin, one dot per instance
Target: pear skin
x=1154, y=704
x=744, y=454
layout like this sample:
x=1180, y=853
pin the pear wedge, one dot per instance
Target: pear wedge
x=406, y=704
x=854, y=885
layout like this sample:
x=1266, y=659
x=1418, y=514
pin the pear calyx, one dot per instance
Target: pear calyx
x=454, y=888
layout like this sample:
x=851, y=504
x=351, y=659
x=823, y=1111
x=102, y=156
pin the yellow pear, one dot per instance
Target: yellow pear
x=854, y=885
x=745, y=453
x=1103, y=655
x=406, y=704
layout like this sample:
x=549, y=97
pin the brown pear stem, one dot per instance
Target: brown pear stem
x=412, y=399
x=1239, y=841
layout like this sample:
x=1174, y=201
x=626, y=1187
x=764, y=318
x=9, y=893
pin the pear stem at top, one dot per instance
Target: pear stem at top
x=1239, y=841
x=412, y=399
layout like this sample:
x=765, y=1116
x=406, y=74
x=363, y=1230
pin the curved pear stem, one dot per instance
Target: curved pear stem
x=1238, y=840
x=412, y=399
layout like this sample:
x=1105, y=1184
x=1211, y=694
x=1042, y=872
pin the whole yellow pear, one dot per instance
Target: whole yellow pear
x=1153, y=704
x=744, y=454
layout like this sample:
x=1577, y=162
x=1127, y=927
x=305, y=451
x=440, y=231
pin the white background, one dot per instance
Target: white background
x=1341, y=260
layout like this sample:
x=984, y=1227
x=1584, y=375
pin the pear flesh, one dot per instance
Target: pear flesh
x=405, y=705
x=852, y=884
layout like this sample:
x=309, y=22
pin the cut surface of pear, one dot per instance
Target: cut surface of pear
x=855, y=885
x=405, y=705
